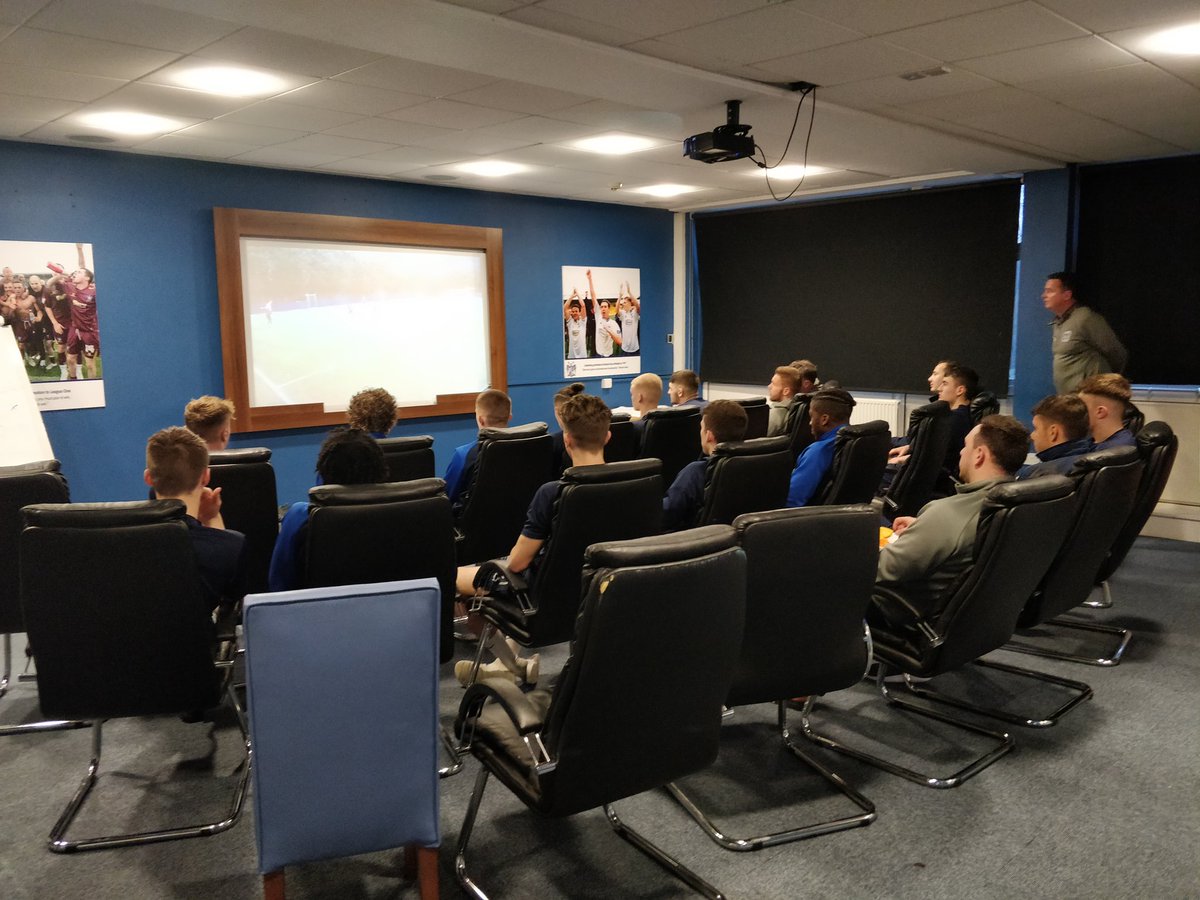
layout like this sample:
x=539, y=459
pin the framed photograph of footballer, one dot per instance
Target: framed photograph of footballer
x=602, y=315
x=49, y=302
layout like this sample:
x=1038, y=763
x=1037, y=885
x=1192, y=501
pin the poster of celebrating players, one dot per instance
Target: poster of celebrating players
x=602, y=317
x=50, y=304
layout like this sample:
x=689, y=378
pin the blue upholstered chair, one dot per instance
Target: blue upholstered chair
x=343, y=695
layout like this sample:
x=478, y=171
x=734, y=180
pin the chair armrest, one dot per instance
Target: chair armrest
x=495, y=577
x=889, y=602
x=524, y=715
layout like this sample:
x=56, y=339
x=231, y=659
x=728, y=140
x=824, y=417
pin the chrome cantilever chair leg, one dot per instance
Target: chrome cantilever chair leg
x=1112, y=658
x=1006, y=743
x=453, y=750
x=59, y=844
x=29, y=727
x=866, y=817
x=660, y=856
x=1081, y=692
x=1105, y=600
x=464, y=835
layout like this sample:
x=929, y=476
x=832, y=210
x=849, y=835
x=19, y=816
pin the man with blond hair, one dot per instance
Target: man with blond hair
x=1107, y=398
x=212, y=419
x=493, y=409
x=177, y=469
x=784, y=386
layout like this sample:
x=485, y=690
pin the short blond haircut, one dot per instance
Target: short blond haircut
x=372, y=410
x=207, y=415
x=494, y=407
x=176, y=459
x=650, y=383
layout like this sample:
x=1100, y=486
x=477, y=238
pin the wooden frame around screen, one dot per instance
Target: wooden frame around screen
x=231, y=225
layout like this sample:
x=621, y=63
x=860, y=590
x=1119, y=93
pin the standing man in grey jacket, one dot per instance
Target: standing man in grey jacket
x=1083, y=344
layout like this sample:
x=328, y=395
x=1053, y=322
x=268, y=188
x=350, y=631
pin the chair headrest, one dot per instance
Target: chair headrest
x=364, y=494
x=753, y=447
x=1030, y=490
x=1117, y=456
x=930, y=410
x=242, y=455
x=620, y=417
x=1155, y=434
x=415, y=442
x=749, y=520
x=533, y=429
x=45, y=466
x=103, y=515
x=864, y=429
x=675, y=412
x=661, y=548
x=751, y=401
x=615, y=471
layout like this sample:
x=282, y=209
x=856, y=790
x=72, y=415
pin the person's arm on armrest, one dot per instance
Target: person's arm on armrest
x=523, y=553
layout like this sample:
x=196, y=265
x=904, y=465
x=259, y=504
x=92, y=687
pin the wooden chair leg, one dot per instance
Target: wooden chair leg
x=273, y=888
x=427, y=872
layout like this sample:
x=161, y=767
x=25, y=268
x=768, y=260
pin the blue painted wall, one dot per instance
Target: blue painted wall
x=1043, y=250
x=149, y=220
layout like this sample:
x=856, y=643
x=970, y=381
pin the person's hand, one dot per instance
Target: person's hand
x=896, y=452
x=900, y=524
x=210, y=505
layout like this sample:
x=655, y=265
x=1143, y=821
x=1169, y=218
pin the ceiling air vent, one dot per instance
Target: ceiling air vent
x=925, y=73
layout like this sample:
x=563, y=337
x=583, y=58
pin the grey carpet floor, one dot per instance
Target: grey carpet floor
x=1106, y=804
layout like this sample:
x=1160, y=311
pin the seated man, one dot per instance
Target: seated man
x=177, y=469
x=721, y=421
x=585, y=420
x=958, y=387
x=809, y=381
x=374, y=411
x=211, y=418
x=493, y=409
x=930, y=550
x=1060, y=434
x=828, y=413
x=1107, y=399
x=348, y=456
x=784, y=386
x=684, y=389
x=645, y=394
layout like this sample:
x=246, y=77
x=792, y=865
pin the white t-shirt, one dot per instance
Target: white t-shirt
x=629, y=330
x=576, y=338
x=606, y=329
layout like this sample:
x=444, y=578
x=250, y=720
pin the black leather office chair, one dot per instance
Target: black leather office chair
x=802, y=638
x=37, y=482
x=928, y=439
x=758, y=416
x=638, y=702
x=370, y=533
x=859, y=458
x=1021, y=526
x=618, y=501
x=799, y=428
x=985, y=403
x=249, y=504
x=1134, y=419
x=745, y=477
x=1106, y=485
x=513, y=463
x=1158, y=447
x=624, y=440
x=408, y=458
x=137, y=642
x=672, y=436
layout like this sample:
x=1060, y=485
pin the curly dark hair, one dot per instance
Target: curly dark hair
x=372, y=410
x=351, y=456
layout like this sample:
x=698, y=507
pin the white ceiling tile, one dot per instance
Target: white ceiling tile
x=168, y=75
x=471, y=142
x=241, y=133
x=389, y=131
x=892, y=90
x=16, y=12
x=293, y=158
x=276, y=50
x=519, y=97
x=882, y=16
x=13, y=127
x=1178, y=124
x=369, y=167
x=960, y=107
x=53, y=84
x=606, y=115
x=650, y=17
x=1133, y=39
x=540, y=130
x=168, y=101
x=991, y=31
x=276, y=114
x=71, y=124
x=80, y=54
x=1049, y=60
x=452, y=114
x=352, y=98
x=412, y=77
x=185, y=143
x=1106, y=15
x=563, y=23
x=766, y=33
x=329, y=143
x=409, y=157
x=695, y=57
x=129, y=22
x=495, y=7
x=1118, y=89
x=33, y=108
x=852, y=61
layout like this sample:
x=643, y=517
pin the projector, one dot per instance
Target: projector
x=725, y=142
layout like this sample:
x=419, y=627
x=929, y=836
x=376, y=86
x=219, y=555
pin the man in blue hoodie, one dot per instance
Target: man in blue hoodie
x=1060, y=434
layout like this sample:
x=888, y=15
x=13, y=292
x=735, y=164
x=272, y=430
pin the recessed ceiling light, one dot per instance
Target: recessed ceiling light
x=492, y=168
x=793, y=171
x=130, y=122
x=1181, y=41
x=615, y=144
x=229, y=81
x=666, y=190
